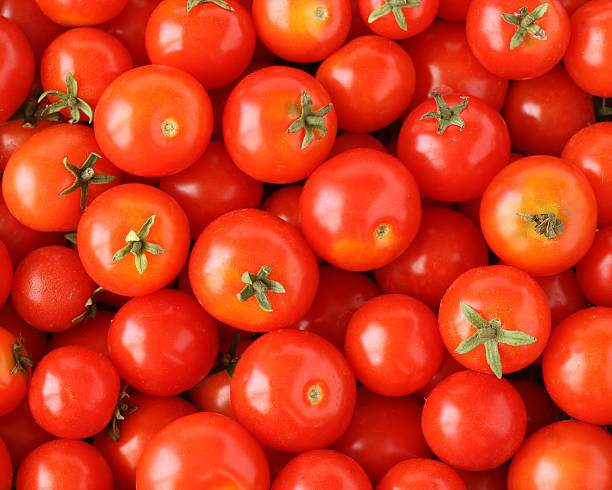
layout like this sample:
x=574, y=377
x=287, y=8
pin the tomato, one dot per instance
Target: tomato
x=61, y=169
x=541, y=410
x=494, y=479
x=14, y=371
x=284, y=203
x=65, y=463
x=213, y=41
x=370, y=81
x=143, y=417
x=435, y=140
x=73, y=392
x=517, y=39
x=17, y=69
x=253, y=271
x=421, y=473
x=6, y=273
x=133, y=239
x=449, y=366
x=383, y=431
x=589, y=48
x=6, y=468
x=293, y=391
x=544, y=112
x=302, y=31
x=212, y=186
x=348, y=141
x=475, y=407
x=14, y=133
x=279, y=124
x=79, y=12
x=576, y=364
x=566, y=454
x=203, y=450
x=34, y=340
x=453, y=10
x=360, y=209
x=398, y=20
x=153, y=121
x=539, y=214
x=445, y=64
x=588, y=150
x=594, y=271
x=322, y=469
x=91, y=333
x=393, y=344
x=564, y=294
x=446, y=245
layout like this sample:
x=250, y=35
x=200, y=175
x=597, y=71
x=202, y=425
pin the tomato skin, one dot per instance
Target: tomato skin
x=594, y=271
x=284, y=203
x=153, y=121
x=449, y=366
x=541, y=410
x=348, y=141
x=17, y=70
x=417, y=18
x=348, y=200
x=301, y=398
x=91, y=333
x=566, y=454
x=13, y=134
x=487, y=411
x=6, y=273
x=489, y=36
x=421, y=473
x=13, y=387
x=65, y=463
x=539, y=184
x=73, y=13
x=187, y=451
x=564, y=294
x=34, y=340
x=6, y=468
x=589, y=48
x=229, y=37
x=494, y=479
x=371, y=82
x=453, y=10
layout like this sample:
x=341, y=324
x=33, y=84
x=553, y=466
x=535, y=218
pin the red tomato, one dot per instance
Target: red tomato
x=6, y=273
x=539, y=214
x=253, y=271
x=594, y=271
x=398, y=21
x=348, y=141
x=6, y=468
x=14, y=133
x=92, y=333
x=80, y=12
x=370, y=80
x=293, y=391
x=133, y=239
x=360, y=209
x=284, y=203
x=34, y=340
x=494, y=479
x=474, y=407
x=449, y=366
x=393, y=344
x=153, y=121
x=65, y=463
x=14, y=371
x=324, y=470
x=564, y=294
x=453, y=10
x=203, y=450
x=541, y=410
x=517, y=39
x=421, y=473
x=566, y=454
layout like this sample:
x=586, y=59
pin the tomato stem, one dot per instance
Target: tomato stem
x=447, y=115
x=23, y=362
x=546, y=224
x=220, y=3
x=91, y=307
x=525, y=23
x=309, y=120
x=121, y=410
x=68, y=100
x=395, y=7
x=84, y=176
x=258, y=285
x=137, y=245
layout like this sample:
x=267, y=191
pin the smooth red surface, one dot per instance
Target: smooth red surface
x=348, y=141
x=284, y=203
x=6, y=273
x=13, y=388
x=421, y=473
x=80, y=12
x=92, y=333
x=35, y=340
x=564, y=294
x=13, y=134
x=594, y=271
x=541, y=410
x=417, y=18
x=6, y=468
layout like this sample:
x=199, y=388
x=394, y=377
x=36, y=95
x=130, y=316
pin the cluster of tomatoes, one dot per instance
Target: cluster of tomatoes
x=325, y=245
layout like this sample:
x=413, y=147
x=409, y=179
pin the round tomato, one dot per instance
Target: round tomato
x=80, y=13
x=398, y=20
x=594, y=271
x=92, y=333
x=6, y=273
x=14, y=371
x=14, y=133
x=6, y=468
x=284, y=203
x=564, y=294
x=541, y=410
x=421, y=473
x=348, y=141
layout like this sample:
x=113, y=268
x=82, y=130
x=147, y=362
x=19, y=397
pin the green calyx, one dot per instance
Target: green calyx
x=525, y=23
x=227, y=361
x=23, y=362
x=309, y=120
x=30, y=111
x=447, y=115
x=121, y=410
x=91, y=307
x=490, y=333
x=137, y=245
x=68, y=100
x=395, y=7
x=546, y=224
x=258, y=285
x=84, y=176
x=220, y=3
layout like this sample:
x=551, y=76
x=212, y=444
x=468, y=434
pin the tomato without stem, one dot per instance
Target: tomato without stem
x=421, y=473
x=541, y=410
x=564, y=294
x=594, y=271
x=6, y=468
x=91, y=333
x=14, y=133
x=79, y=12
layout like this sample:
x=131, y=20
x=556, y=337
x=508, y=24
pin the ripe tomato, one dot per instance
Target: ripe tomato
x=539, y=214
x=453, y=10
x=79, y=13
x=564, y=294
x=594, y=271
x=407, y=18
x=541, y=410
x=421, y=473
x=360, y=209
x=6, y=468
x=34, y=340
x=14, y=371
x=284, y=203
x=133, y=239
x=153, y=120
x=203, y=450
x=348, y=141
x=6, y=273
x=14, y=133
x=293, y=391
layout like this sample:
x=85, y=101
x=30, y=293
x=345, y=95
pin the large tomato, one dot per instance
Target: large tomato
x=80, y=13
x=421, y=473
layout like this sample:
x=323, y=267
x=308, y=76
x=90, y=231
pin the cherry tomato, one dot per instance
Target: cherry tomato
x=6, y=468
x=541, y=410
x=453, y=10
x=449, y=366
x=284, y=203
x=564, y=294
x=91, y=333
x=34, y=340
x=6, y=273
x=594, y=271
x=398, y=21
x=348, y=141
x=14, y=133
x=14, y=371
x=421, y=473
x=80, y=13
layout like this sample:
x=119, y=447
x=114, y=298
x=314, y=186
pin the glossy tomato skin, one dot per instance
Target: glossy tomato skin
x=243, y=241
x=14, y=133
x=348, y=141
x=489, y=37
x=91, y=333
x=73, y=13
x=543, y=113
x=103, y=228
x=448, y=366
x=564, y=294
x=153, y=121
x=65, y=463
x=421, y=473
x=13, y=387
x=35, y=177
x=323, y=469
x=371, y=82
x=18, y=66
x=487, y=411
x=590, y=47
x=210, y=42
x=302, y=31
x=566, y=454
x=293, y=390
x=6, y=468
x=453, y=10
x=541, y=410
x=594, y=271
x=442, y=164
x=284, y=203
x=6, y=273
x=576, y=364
x=34, y=340
x=187, y=451
x=417, y=18
x=539, y=184
x=257, y=115
x=360, y=209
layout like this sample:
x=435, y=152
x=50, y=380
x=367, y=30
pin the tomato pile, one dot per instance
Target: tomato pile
x=324, y=245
